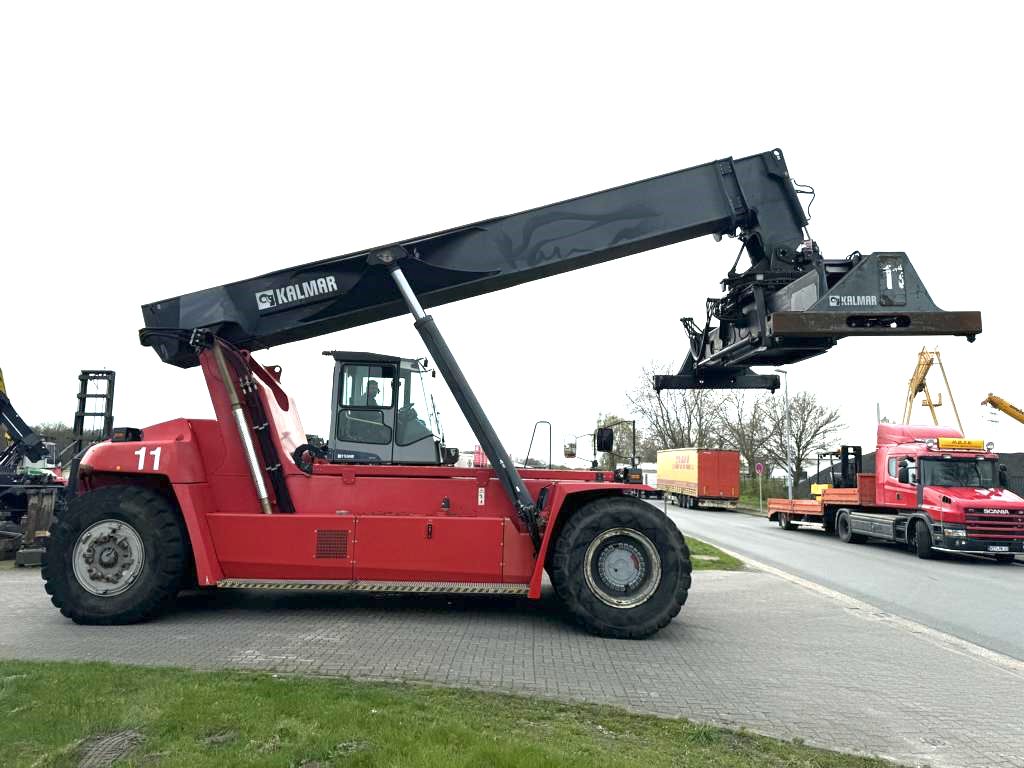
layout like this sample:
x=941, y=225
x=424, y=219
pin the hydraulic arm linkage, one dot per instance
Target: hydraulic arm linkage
x=787, y=305
x=21, y=440
x=1005, y=406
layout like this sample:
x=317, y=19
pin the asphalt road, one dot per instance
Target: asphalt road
x=972, y=598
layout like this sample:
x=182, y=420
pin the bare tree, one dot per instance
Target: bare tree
x=746, y=427
x=676, y=418
x=815, y=427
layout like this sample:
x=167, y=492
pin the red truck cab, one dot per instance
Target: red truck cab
x=954, y=482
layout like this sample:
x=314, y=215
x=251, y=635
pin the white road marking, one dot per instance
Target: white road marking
x=870, y=612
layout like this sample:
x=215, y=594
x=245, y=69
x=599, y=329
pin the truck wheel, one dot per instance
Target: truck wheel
x=117, y=555
x=785, y=523
x=845, y=531
x=922, y=540
x=621, y=567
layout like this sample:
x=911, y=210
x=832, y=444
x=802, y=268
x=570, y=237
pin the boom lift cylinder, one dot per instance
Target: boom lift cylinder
x=464, y=396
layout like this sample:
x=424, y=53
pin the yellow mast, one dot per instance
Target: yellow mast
x=918, y=384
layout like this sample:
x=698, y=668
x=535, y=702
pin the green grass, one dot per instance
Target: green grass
x=218, y=719
x=7, y=565
x=704, y=550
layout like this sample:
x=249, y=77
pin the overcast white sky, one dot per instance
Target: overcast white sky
x=149, y=151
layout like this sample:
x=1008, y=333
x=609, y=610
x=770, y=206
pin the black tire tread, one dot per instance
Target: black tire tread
x=569, y=550
x=171, y=558
x=854, y=538
x=923, y=551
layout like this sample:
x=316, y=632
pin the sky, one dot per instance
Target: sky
x=150, y=150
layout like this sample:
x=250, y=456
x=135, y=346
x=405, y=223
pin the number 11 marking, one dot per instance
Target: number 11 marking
x=155, y=453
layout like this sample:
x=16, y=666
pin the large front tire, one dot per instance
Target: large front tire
x=117, y=555
x=922, y=543
x=621, y=567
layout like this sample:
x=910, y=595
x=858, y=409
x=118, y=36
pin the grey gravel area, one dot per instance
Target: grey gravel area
x=749, y=649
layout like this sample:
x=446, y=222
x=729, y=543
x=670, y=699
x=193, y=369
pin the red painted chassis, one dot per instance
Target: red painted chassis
x=352, y=523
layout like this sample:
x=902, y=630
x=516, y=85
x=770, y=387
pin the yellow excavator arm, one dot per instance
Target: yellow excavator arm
x=994, y=400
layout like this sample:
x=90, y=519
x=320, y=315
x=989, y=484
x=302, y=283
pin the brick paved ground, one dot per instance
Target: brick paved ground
x=748, y=650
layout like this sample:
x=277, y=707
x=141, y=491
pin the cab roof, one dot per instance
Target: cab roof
x=900, y=434
x=369, y=357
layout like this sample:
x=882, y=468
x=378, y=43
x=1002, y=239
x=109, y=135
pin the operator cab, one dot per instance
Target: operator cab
x=382, y=412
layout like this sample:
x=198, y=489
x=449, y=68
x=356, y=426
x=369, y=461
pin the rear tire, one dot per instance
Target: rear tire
x=621, y=568
x=845, y=531
x=117, y=555
x=922, y=540
x=785, y=523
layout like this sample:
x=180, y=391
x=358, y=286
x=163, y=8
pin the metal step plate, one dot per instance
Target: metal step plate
x=394, y=587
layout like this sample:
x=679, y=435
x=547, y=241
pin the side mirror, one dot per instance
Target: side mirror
x=604, y=437
x=569, y=450
x=1004, y=477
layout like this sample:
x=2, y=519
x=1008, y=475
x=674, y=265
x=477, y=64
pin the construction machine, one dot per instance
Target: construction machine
x=918, y=384
x=243, y=501
x=33, y=486
x=26, y=462
x=1005, y=406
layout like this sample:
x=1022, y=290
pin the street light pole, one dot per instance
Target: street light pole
x=789, y=438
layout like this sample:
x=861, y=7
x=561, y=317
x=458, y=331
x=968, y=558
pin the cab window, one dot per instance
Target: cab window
x=893, y=468
x=367, y=386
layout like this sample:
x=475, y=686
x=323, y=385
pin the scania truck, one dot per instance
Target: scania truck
x=933, y=490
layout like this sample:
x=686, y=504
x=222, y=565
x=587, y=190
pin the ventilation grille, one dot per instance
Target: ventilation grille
x=332, y=545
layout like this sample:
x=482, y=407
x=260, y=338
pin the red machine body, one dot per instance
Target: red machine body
x=365, y=524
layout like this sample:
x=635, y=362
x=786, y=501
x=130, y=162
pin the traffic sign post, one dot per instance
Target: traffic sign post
x=759, y=469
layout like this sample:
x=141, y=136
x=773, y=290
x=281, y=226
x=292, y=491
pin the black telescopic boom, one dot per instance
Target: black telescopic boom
x=753, y=195
x=784, y=304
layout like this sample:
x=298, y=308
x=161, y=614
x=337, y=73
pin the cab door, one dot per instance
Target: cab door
x=899, y=494
x=363, y=422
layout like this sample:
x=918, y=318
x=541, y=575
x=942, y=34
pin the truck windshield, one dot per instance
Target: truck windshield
x=959, y=473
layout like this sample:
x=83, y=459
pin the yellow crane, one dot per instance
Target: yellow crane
x=919, y=385
x=1001, y=405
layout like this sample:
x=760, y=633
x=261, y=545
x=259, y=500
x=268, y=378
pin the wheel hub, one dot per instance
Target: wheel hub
x=108, y=557
x=621, y=565
x=623, y=568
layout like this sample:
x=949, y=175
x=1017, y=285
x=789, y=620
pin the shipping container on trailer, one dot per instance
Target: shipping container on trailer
x=700, y=477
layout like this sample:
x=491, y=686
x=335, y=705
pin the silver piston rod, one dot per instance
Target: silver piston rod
x=238, y=411
x=470, y=406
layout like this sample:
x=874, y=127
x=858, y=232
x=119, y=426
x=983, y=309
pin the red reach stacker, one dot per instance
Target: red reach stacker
x=245, y=500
